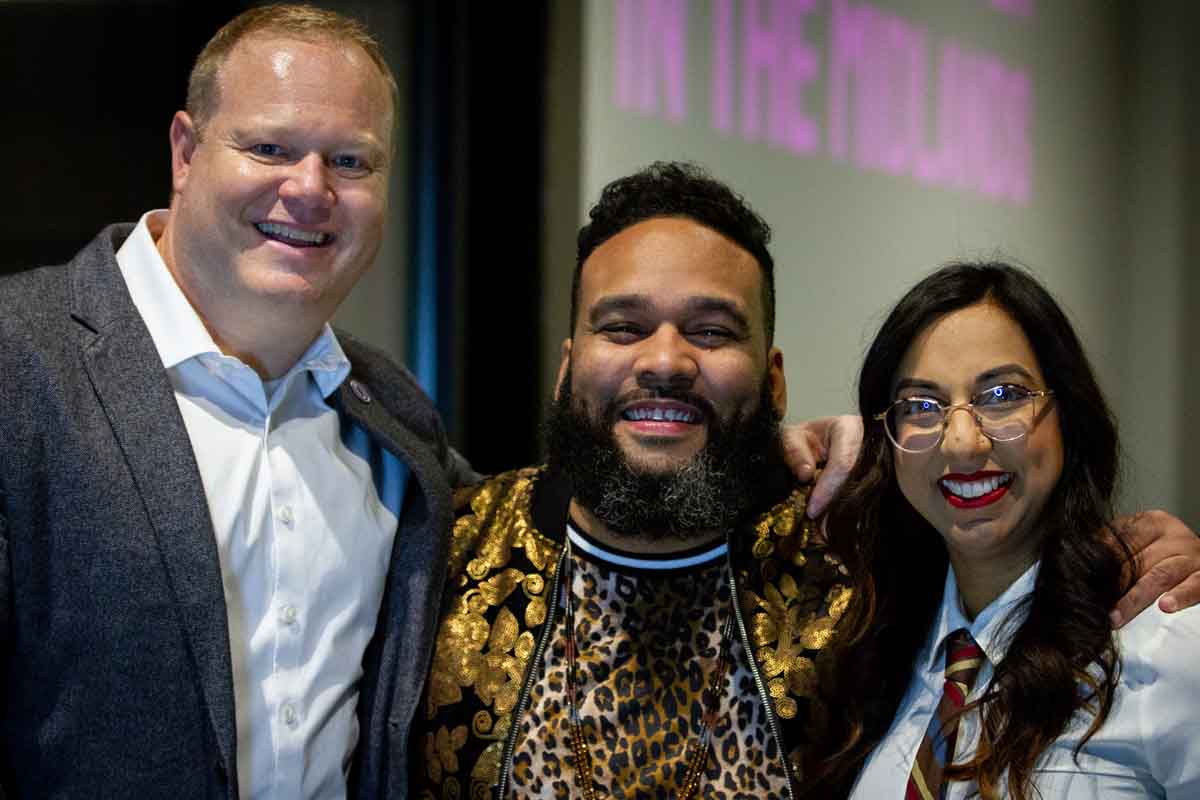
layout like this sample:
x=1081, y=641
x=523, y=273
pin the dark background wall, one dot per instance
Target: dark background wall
x=88, y=91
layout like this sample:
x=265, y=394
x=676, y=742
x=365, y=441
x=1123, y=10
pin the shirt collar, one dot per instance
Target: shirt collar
x=696, y=557
x=177, y=330
x=326, y=361
x=174, y=326
x=992, y=629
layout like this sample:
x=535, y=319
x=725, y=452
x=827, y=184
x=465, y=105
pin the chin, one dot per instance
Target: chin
x=658, y=454
x=657, y=463
x=655, y=466
x=292, y=287
x=984, y=539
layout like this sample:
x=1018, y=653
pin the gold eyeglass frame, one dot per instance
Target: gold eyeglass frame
x=1034, y=396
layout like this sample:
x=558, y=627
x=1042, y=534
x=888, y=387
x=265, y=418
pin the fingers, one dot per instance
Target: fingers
x=826, y=488
x=1143, y=528
x=834, y=441
x=1168, y=560
x=802, y=450
x=1177, y=575
x=1185, y=595
x=844, y=441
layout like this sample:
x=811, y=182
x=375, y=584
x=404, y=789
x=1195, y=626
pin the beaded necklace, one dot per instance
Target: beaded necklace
x=712, y=694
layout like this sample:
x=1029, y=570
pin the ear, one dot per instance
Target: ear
x=563, y=364
x=778, y=381
x=184, y=139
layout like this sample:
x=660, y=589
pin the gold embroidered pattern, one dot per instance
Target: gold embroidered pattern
x=791, y=619
x=441, y=751
x=487, y=766
x=481, y=643
x=500, y=571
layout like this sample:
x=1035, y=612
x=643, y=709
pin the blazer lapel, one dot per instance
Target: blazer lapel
x=132, y=387
x=384, y=425
x=396, y=661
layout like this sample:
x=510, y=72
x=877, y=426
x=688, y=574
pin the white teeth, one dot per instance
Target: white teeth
x=287, y=232
x=660, y=414
x=968, y=490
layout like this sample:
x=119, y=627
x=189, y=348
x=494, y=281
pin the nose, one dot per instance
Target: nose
x=665, y=358
x=307, y=183
x=963, y=439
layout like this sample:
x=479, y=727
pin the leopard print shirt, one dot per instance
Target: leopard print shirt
x=648, y=641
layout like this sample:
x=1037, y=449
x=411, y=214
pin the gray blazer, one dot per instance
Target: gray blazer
x=114, y=650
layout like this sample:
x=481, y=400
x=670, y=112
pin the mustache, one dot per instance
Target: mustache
x=612, y=410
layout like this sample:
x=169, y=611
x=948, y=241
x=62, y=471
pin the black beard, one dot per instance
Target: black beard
x=740, y=469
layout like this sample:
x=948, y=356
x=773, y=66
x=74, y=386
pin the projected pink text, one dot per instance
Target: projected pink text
x=840, y=79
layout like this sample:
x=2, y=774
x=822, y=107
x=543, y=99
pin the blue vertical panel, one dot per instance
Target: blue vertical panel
x=427, y=329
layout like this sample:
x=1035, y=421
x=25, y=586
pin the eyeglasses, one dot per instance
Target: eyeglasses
x=1004, y=413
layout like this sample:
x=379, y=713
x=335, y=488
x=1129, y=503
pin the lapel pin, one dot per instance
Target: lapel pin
x=360, y=391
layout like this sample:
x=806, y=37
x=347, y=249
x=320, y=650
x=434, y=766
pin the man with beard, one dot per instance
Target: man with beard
x=642, y=616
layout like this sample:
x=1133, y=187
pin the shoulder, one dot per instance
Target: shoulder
x=481, y=499
x=783, y=541
x=380, y=370
x=38, y=301
x=41, y=324
x=395, y=388
x=1157, y=646
x=33, y=302
x=795, y=592
x=1149, y=735
x=495, y=516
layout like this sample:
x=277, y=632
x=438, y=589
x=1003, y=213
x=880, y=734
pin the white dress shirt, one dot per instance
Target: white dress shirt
x=1148, y=747
x=304, y=508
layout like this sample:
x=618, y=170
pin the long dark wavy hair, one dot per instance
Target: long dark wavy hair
x=897, y=560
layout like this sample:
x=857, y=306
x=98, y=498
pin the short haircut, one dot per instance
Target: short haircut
x=677, y=189
x=304, y=22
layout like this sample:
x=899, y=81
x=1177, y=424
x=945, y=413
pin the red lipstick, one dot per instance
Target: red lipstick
x=954, y=484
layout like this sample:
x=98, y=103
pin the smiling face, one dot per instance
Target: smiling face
x=280, y=200
x=670, y=335
x=984, y=497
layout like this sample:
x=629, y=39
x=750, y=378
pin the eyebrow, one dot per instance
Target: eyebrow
x=693, y=305
x=1005, y=370
x=992, y=374
x=914, y=383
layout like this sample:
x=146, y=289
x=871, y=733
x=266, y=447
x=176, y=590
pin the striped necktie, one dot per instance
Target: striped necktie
x=963, y=658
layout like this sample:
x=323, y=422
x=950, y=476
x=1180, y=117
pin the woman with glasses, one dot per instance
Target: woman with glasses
x=977, y=656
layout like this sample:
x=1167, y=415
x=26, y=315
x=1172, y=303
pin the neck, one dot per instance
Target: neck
x=981, y=581
x=646, y=543
x=269, y=350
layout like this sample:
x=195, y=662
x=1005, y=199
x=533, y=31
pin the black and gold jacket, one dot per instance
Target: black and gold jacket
x=505, y=559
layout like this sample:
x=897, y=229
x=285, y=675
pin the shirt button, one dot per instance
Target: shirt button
x=286, y=517
x=288, y=615
x=290, y=717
